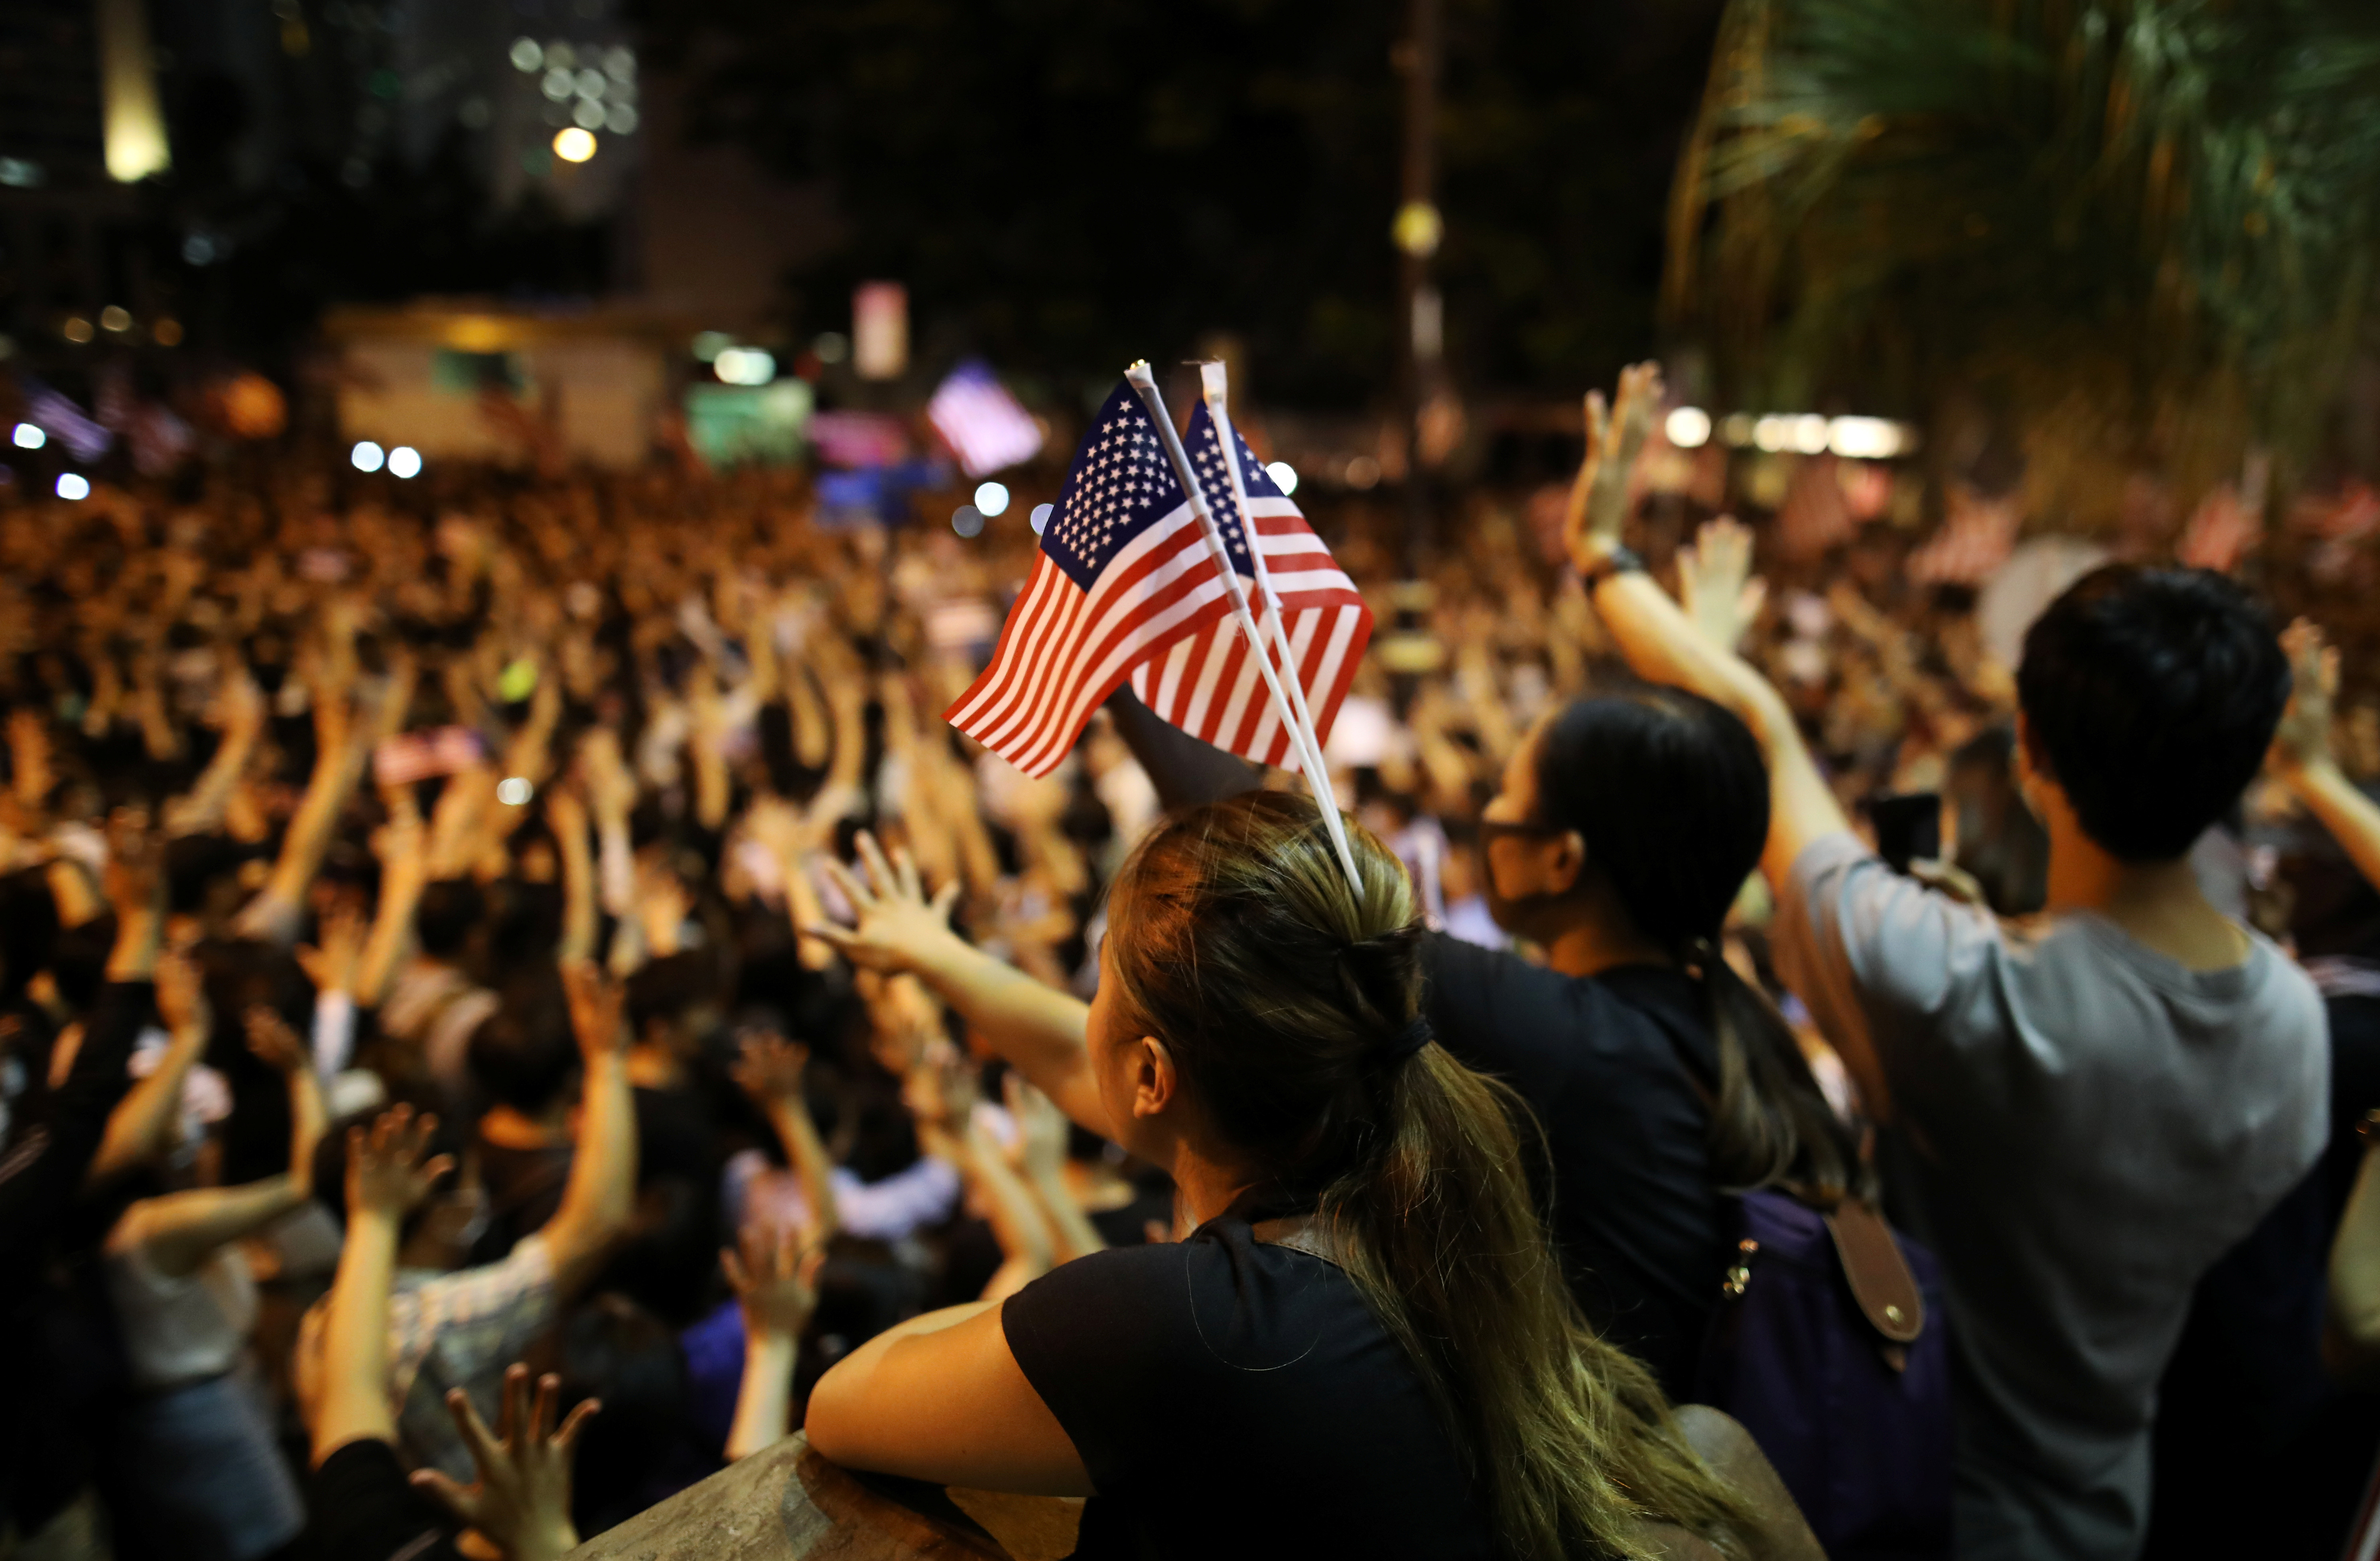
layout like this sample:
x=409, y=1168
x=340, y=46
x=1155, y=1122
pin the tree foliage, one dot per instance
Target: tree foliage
x=2142, y=228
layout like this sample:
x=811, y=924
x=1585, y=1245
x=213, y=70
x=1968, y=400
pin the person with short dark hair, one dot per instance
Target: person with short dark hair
x=2085, y=1119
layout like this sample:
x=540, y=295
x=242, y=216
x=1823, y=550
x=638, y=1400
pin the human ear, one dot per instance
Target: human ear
x=1565, y=862
x=1154, y=1081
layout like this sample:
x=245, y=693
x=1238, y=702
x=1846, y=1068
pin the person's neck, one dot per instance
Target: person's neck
x=1203, y=1187
x=1591, y=946
x=2158, y=904
x=507, y=1127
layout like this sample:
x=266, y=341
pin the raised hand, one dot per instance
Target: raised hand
x=2302, y=740
x=1716, y=583
x=1041, y=1130
x=770, y=1068
x=596, y=1008
x=775, y=1281
x=521, y=1501
x=182, y=997
x=1598, y=498
x=330, y=965
x=387, y=1174
x=275, y=1044
x=897, y=927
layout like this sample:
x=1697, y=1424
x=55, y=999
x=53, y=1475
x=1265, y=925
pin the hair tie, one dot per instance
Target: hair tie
x=1407, y=1041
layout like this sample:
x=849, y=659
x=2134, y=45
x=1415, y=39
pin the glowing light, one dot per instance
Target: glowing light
x=709, y=345
x=115, y=316
x=1284, y=475
x=405, y=461
x=1737, y=429
x=1362, y=472
x=1864, y=439
x=514, y=790
x=967, y=521
x=620, y=63
x=591, y=83
x=832, y=346
x=166, y=332
x=621, y=120
x=76, y=330
x=30, y=437
x=1041, y=517
x=588, y=115
x=1689, y=427
x=527, y=54
x=744, y=366
x=1772, y=433
x=73, y=487
x=366, y=456
x=1810, y=433
x=132, y=120
x=557, y=84
x=574, y=145
x=561, y=55
x=992, y=499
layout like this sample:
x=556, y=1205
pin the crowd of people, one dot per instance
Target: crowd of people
x=527, y=951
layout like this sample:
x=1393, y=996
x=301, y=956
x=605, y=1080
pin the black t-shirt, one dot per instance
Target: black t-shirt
x=1602, y=1061
x=359, y=1507
x=1232, y=1397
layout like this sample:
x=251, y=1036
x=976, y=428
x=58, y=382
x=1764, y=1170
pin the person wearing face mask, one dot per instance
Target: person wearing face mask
x=1623, y=828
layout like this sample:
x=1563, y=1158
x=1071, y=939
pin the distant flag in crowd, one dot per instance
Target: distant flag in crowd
x=984, y=426
x=1122, y=571
x=1208, y=683
x=63, y=420
x=1975, y=539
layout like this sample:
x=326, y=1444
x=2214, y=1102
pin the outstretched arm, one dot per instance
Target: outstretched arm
x=142, y=1126
x=387, y=1179
x=1663, y=645
x=770, y=1071
x=777, y=1285
x=602, y=1192
x=179, y=1232
x=1038, y=1029
x=2302, y=758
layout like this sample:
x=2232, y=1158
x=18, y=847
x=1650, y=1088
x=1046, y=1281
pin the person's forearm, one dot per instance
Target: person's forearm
x=1070, y=1229
x=391, y=929
x=764, y=1399
x=1038, y=1029
x=791, y=1118
x=1014, y=1216
x=579, y=920
x=335, y=774
x=602, y=1192
x=180, y=1231
x=202, y=808
x=2352, y=818
x=335, y=1033
x=353, y=1405
x=140, y=1127
x=139, y=932
x=1662, y=646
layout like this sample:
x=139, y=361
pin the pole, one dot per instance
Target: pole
x=1214, y=380
x=1418, y=231
x=1145, y=384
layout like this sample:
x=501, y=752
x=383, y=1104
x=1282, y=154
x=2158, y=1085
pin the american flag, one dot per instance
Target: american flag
x=1123, y=570
x=1207, y=683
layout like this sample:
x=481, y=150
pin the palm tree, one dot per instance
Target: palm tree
x=2142, y=232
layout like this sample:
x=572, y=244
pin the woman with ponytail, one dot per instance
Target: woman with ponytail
x=1364, y=1345
x=1625, y=826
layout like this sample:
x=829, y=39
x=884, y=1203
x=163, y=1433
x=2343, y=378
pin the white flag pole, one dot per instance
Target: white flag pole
x=1144, y=383
x=1214, y=379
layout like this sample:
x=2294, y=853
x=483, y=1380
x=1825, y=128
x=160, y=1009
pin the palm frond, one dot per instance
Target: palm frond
x=2143, y=225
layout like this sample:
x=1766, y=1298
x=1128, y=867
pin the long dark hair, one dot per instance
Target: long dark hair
x=1234, y=937
x=1670, y=794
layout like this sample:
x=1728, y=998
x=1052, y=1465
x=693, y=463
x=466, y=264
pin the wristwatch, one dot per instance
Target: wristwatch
x=1618, y=559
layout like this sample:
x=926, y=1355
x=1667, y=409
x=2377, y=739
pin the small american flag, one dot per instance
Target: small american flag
x=1122, y=571
x=1207, y=683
